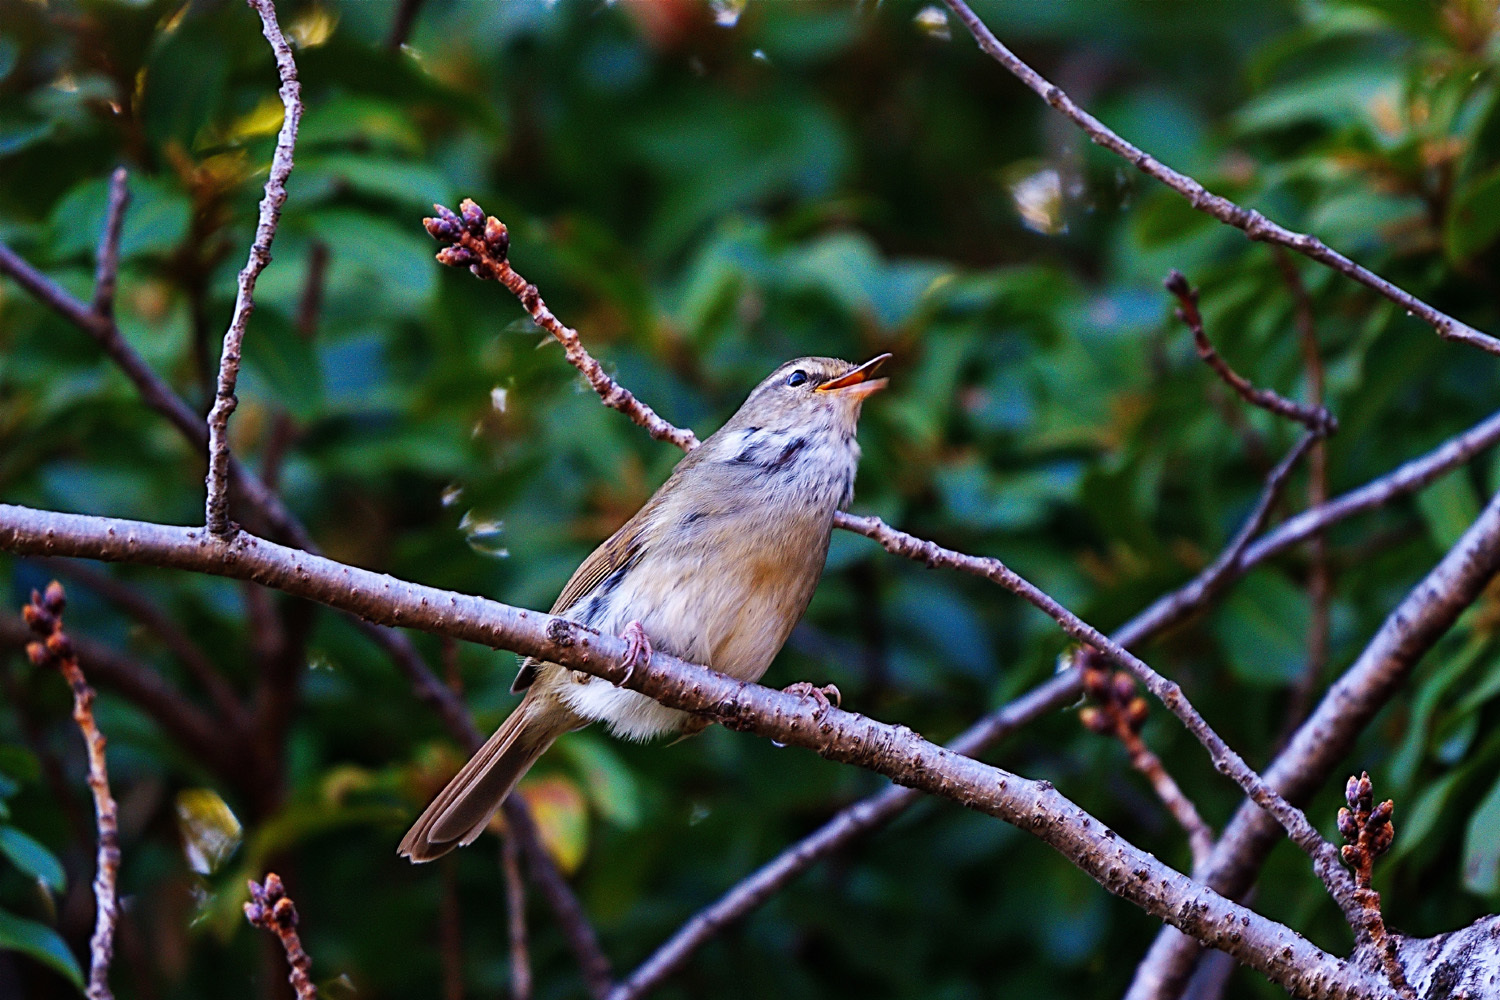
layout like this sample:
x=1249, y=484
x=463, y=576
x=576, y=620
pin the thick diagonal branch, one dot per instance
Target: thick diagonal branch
x=894, y=751
x=1409, y=631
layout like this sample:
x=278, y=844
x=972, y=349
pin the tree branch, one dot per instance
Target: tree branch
x=894, y=751
x=51, y=647
x=1314, y=418
x=107, y=261
x=1409, y=631
x=217, y=505
x=1251, y=222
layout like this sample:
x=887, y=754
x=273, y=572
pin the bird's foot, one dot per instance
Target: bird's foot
x=827, y=696
x=637, y=650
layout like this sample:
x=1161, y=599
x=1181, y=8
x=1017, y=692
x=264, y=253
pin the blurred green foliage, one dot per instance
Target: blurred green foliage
x=703, y=197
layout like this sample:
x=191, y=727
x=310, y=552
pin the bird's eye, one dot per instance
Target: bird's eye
x=797, y=377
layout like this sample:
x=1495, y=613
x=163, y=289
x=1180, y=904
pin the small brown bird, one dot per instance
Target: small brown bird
x=716, y=569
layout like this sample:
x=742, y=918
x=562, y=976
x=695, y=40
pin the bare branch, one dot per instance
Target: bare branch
x=1409, y=631
x=1254, y=225
x=894, y=751
x=1316, y=419
x=1226, y=760
x=598, y=976
x=272, y=909
x=51, y=647
x=483, y=245
x=107, y=265
x=217, y=505
x=515, y=912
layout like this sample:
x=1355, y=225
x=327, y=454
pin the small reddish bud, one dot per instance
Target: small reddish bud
x=1096, y=683
x=275, y=890
x=1381, y=814
x=255, y=913
x=455, y=256
x=496, y=237
x=54, y=600
x=38, y=619
x=1124, y=686
x=446, y=214
x=37, y=653
x=284, y=913
x=1095, y=720
x=59, y=646
x=473, y=216
x=1348, y=825
x=1136, y=713
x=441, y=229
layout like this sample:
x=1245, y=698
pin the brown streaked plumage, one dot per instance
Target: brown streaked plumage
x=716, y=568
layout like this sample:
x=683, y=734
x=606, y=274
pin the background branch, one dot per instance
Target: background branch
x=1254, y=225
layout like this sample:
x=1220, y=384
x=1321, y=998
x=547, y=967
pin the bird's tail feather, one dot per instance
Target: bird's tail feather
x=463, y=808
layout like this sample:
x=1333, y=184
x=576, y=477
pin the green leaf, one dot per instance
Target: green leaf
x=1473, y=219
x=1482, y=846
x=156, y=222
x=41, y=943
x=1263, y=629
x=32, y=858
x=1449, y=506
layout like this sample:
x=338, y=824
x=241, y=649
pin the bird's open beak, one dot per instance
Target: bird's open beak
x=857, y=382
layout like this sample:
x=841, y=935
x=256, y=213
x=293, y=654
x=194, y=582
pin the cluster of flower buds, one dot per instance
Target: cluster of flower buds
x=44, y=616
x=468, y=233
x=1366, y=827
x=269, y=905
x=1118, y=706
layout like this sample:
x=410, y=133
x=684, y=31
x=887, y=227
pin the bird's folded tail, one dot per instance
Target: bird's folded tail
x=463, y=809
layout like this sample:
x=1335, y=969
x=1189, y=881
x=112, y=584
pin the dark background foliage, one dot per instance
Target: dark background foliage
x=704, y=192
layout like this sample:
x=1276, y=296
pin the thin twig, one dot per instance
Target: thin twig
x=154, y=390
x=483, y=245
x=1314, y=418
x=272, y=909
x=451, y=935
x=51, y=647
x=1252, y=223
x=1319, y=578
x=893, y=751
x=515, y=912
x=107, y=264
x=217, y=504
x=598, y=976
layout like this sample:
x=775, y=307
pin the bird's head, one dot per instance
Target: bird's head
x=812, y=393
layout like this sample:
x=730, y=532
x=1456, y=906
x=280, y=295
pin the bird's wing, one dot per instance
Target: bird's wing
x=616, y=551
